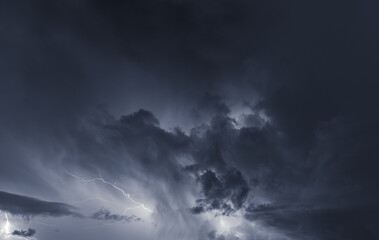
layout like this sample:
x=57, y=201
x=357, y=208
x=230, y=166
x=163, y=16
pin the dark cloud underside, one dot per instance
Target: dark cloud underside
x=259, y=111
x=27, y=206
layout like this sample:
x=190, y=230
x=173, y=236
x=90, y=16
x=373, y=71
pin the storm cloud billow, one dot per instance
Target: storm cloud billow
x=175, y=119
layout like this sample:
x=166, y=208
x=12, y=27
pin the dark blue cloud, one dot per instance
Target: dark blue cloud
x=28, y=206
x=24, y=233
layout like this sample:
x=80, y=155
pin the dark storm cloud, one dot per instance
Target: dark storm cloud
x=24, y=233
x=141, y=136
x=229, y=162
x=27, y=206
x=212, y=236
x=330, y=172
x=156, y=150
x=173, y=39
x=158, y=55
x=226, y=193
x=106, y=215
x=309, y=67
x=309, y=222
x=210, y=105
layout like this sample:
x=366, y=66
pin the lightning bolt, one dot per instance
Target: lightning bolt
x=6, y=228
x=126, y=195
x=6, y=232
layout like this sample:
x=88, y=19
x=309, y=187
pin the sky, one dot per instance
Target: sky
x=191, y=120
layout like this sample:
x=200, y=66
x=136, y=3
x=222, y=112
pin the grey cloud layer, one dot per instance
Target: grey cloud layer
x=27, y=206
x=302, y=159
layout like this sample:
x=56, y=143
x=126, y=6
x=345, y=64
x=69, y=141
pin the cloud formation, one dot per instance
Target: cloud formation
x=24, y=233
x=28, y=206
x=258, y=116
x=250, y=169
x=227, y=194
x=106, y=215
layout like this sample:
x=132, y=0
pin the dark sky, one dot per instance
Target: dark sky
x=192, y=120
